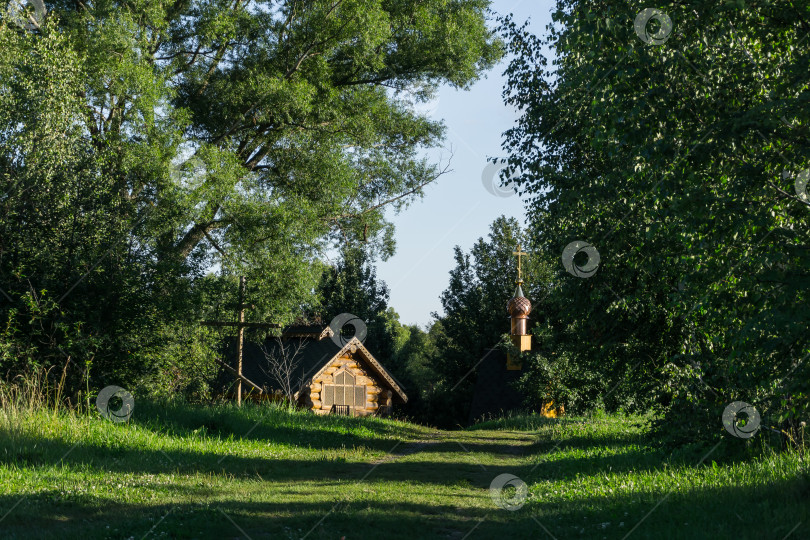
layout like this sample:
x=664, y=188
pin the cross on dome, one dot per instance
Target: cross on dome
x=519, y=253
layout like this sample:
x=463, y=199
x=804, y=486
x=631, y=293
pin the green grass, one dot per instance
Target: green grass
x=601, y=478
x=182, y=471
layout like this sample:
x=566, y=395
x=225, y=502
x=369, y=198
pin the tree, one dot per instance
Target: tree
x=282, y=363
x=415, y=366
x=351, y=286
x=142, y=144
x=666, y=151
x=293, y=115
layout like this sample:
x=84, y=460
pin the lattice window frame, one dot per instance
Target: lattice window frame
x=335, y=393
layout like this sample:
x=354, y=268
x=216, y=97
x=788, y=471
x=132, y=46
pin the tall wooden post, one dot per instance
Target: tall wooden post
x=240, y=325
x=239, y=340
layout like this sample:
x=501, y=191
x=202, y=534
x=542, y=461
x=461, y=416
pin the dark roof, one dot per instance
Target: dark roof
x=494, y=392
x=314, y=351
x=317, y=331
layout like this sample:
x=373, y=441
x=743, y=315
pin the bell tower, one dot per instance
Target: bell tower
x=519, y=308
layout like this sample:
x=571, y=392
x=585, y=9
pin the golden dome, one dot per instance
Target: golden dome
x=519, y=305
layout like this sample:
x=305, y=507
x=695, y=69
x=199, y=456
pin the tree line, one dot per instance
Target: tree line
x=143, y=145
x=670, y=145
x=674, y=141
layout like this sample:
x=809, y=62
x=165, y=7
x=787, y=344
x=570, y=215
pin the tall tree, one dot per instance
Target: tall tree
x=676, y=151
x=145, y=142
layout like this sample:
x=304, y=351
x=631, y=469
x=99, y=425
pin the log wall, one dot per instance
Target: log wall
x=375, y=394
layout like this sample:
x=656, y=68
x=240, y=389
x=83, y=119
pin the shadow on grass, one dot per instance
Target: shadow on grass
x=236, y=519
x=88, y=455
x=466, y=462
x=613, y=458
x=755, y=512
x=752, y=512
x=273, y=423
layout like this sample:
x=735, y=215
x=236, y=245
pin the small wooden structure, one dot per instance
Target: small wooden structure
x=327, y=376
x=354, y=381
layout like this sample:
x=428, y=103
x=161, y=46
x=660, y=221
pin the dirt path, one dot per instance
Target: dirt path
x=472, y=458
x=507, y=444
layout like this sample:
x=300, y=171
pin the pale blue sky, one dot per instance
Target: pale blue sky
x=457, y=209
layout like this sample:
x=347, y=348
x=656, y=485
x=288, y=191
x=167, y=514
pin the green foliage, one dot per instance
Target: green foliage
x=181, y=358
x=678, y=163
x=474, y=319
x=415, y=359
x=142, y=144
x=414, y=367
x=351, y=286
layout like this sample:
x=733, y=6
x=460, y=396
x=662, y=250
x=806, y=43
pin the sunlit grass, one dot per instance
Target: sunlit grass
x=264, y=471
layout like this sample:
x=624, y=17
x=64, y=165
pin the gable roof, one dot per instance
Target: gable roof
x=310, y=331
x=312, y=354
x=354, y=342
x=316, y=351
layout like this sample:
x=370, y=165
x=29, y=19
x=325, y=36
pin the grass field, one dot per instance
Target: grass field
x=181, y=471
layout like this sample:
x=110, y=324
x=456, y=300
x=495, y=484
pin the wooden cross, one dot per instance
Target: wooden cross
x=519, y=254
x=240, y=325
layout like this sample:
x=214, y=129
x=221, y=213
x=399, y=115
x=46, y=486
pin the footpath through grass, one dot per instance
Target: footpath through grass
x=266, y=472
